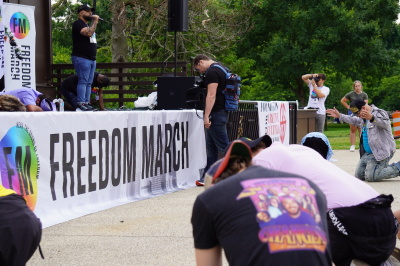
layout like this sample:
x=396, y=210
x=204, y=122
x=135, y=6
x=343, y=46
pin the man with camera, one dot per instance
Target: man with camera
x=215, y=116
x=318, y=95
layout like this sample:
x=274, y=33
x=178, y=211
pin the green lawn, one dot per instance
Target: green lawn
x=338, y=135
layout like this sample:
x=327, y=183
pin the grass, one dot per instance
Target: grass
x=339, y=136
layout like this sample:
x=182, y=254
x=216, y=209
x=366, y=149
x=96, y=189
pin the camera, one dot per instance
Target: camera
x=200, y=83
x=315, y=78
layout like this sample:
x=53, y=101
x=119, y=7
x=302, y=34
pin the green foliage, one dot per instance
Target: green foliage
x=386, y=93
x=350, y=39
x=61, y=54
x=270, y=43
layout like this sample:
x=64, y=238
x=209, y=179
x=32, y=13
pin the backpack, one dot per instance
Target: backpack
x=232, y=89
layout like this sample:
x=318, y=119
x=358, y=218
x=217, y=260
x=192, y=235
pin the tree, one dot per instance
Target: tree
x=357, y=39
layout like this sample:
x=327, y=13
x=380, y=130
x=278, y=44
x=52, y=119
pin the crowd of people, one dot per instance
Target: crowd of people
x=264, y=198
x=261, y=201
x=265, y=203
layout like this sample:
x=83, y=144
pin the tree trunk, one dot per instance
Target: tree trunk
x=119, y=46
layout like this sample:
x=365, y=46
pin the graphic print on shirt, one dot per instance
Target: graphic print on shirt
x=314, y=95
x=287, y=213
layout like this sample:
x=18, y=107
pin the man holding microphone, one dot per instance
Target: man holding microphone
x=84, y=48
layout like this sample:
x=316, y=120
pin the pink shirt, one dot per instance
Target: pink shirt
x=340, y=188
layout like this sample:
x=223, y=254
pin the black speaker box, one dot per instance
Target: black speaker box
x=171, y=92
x=177, y=15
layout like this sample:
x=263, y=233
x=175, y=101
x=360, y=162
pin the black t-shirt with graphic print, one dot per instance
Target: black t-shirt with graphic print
x=257, y=217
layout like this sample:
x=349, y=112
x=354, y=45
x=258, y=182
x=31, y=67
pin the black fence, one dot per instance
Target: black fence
x=128, y=80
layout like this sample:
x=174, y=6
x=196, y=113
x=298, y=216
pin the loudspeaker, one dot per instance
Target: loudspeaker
x=177, y=15
x=171, y=92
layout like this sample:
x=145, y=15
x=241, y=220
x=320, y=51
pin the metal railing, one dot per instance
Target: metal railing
x=244, y=121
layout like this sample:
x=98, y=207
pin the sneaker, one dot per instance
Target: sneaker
x=83, y=107
x=199, y=183
x=352, y=148
x=92, y=107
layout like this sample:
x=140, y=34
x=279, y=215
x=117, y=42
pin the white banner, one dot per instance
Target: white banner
x=1, y=40
x=19, y=47
x=70, y=164
x=273, y=119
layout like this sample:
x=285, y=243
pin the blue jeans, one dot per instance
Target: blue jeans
x=371, y=170
x=216, y=137
x=71, y=98
x=85, y=70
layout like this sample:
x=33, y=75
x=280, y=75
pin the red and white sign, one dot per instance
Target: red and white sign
x=273, y=120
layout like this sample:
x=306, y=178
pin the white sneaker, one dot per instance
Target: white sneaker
x=352, y=148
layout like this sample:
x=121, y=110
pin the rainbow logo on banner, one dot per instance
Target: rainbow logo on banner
x=19, y=163
x=19, y=25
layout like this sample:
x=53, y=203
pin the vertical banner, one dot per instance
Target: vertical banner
x=1, y=40
x=273, y=119
x=19, y=47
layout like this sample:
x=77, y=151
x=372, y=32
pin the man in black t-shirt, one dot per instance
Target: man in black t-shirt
x=69, y=89
x=215, y=117
x=228, y=216
x=84, y=48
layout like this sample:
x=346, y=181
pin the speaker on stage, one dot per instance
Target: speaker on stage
x=171, y=92
x=177, y=15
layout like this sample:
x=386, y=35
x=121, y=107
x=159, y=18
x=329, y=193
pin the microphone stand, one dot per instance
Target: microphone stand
x=176, y=64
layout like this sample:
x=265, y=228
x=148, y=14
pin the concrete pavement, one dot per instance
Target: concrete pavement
x=155, y=231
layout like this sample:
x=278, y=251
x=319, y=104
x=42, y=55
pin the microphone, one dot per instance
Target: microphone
x=101, y=19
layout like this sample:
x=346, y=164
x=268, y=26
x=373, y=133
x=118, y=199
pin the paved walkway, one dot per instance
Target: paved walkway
x=154, y=231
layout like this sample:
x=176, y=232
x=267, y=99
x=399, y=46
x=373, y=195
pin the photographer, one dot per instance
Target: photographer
x=318, y=94
x=215, y=115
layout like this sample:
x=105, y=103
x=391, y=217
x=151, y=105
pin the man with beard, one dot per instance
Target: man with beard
x=84, y=48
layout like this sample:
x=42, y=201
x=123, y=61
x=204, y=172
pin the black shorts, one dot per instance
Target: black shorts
x=366, y=231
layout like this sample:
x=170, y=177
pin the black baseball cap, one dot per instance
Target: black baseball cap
x=356, y=105
x=252, y=143
x=85, y=7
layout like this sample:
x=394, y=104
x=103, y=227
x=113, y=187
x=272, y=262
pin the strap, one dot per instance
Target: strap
x=41, y=252
x=220, y=67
